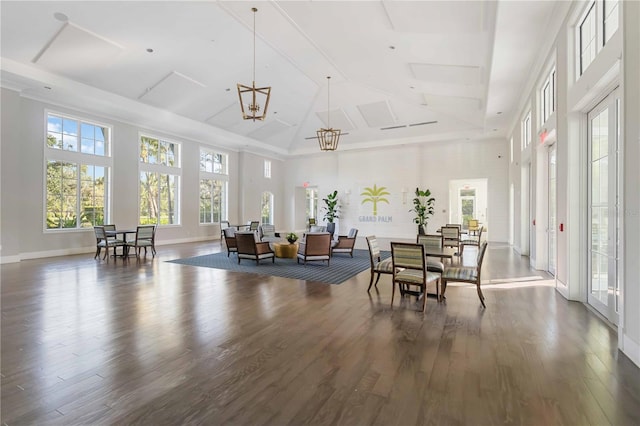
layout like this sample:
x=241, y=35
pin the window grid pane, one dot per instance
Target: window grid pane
x=587, y=39
x=75, y=190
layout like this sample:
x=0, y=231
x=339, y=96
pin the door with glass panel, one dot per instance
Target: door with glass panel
x=551, y=232
x=467, y=206
x=603, y=134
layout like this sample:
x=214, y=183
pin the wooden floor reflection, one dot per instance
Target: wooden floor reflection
x=149, y=342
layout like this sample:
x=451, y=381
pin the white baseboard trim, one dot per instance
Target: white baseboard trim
x=92, y=249
x=631, y=349
x=9, y=259
x=562, y=289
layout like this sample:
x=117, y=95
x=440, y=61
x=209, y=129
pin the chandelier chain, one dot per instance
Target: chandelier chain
x=254, y=44
x=328, y=103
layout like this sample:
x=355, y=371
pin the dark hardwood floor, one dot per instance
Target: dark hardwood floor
x=155, y=343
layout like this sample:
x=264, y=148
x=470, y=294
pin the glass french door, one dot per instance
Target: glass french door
x=603, y=134
x=552, y=211
x=467, y=206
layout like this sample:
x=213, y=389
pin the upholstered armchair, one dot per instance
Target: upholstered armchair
x=230, y=240
x=316, y=246
x=268, y=233
x=249, y=248
x=313, y=229
x=345, y=243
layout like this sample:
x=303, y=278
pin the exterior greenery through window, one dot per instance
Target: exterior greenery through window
x=267, y=208
x=312, y=204
x=159, y=176
x=77, y=172
x=213, y=186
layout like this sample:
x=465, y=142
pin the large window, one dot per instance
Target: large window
x=548, y=97
x=587, y=36
x=595, y=28
x=267, y=208
x=526, y=130
x=213, y=186
x=77, y=173
x=267, y=169
x=159, y=181
x=312, y=204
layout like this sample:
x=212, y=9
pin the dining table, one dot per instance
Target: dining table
x=124, y=233
x=441, y=252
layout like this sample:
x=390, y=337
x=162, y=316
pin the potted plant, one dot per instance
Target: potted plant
x=423, y=208
x=292, y=237
x=331, y=211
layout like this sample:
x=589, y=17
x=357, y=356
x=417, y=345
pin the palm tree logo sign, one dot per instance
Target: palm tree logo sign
x=375, y=195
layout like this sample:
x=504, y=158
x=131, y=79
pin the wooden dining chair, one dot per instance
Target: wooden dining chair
x=378, y=265
x=473, y=227
x=451, y=237
x=466, y=274
x=471, y=240
x=410, y=270
x=434, y=241
x=145, y=238
x=105, y=242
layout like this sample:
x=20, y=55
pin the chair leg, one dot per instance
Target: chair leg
x=99, y=249
x=371, y=281
x=424, y=298
x=438, y=289
x=480, y=295
x=393, y=291
x=444, y=288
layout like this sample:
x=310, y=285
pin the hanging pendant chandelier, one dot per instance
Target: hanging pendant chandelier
x=328, y=138
x=251, y=97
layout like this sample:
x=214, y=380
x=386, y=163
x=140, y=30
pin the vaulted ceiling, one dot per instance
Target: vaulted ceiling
x=401, y=71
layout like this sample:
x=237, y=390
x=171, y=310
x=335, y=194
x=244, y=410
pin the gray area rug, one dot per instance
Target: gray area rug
x=341, y=268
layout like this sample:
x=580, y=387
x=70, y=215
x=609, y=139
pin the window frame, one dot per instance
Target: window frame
x=161, y=170
x=601, y=36
x=525, y=130
x=223, y=177
x=548, y=101
x=271, y=207
x=78, y=159
x=267, y=169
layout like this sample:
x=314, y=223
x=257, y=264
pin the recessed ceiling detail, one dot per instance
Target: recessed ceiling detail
x=173, y=92
x=226, y=117
x=436, y=16
x=271, y=128
x=447, y=74
x=377, y=114
x=339, y=119
x=76, y=52
x=452, y=102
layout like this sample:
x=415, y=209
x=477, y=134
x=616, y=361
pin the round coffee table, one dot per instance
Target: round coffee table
x=285, y=250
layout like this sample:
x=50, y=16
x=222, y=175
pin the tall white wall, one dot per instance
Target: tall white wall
x=428, y=166
x=617, y=64
x=631, y=218
x=22, y=199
